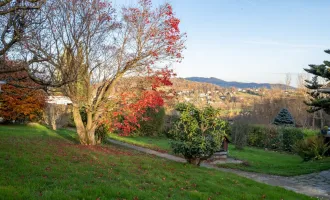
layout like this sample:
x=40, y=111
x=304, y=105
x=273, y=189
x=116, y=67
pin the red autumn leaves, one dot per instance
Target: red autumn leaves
x=165, y=33
x=133, y=105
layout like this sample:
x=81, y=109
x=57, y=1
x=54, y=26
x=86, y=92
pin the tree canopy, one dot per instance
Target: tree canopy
x=19, y=99
x=90, y=46
x=319, y=93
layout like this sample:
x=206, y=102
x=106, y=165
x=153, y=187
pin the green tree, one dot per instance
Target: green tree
x=319, y=93
x=284, y=118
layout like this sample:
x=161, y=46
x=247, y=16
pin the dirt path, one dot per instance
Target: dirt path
x=316, y=184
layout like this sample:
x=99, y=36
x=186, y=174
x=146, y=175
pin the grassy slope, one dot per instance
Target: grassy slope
x=156, y=143
x=36, y=163
x=274, y=162
x=260, y=161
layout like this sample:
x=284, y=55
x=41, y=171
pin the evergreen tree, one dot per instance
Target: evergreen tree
x=320, y=99
x=284, y=118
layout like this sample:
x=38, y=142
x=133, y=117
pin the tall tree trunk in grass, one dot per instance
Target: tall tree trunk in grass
x=88, y=42
x=86, y=133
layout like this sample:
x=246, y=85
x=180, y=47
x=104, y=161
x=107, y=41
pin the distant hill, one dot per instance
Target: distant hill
x=223, y=83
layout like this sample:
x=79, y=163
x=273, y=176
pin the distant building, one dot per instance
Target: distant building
x=60, y=100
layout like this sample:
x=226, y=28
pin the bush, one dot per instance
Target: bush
x=101, y=133
x=290, y=136
x=256, y=135
x=197, y=134
x=273, y=137
x=239, y=134
x=168, y=125
x=310, y=132
x=312, y=148
x=154, y=125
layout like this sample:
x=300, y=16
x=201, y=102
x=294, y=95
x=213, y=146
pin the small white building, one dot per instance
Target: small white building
x=59, y=100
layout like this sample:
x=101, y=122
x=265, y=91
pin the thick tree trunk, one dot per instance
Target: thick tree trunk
x=51, y=116
x=86, y=133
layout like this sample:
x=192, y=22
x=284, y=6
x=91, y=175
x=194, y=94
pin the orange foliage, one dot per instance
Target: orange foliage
x=20, y=100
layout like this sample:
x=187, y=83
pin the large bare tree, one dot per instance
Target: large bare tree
x=90, y=42
x=15, y=16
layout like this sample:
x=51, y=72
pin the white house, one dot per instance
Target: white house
x=60, y=100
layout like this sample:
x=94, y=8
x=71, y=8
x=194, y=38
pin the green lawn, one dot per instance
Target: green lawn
x=270, y=162
x=259, y=160
x=156, y=143
x=36, y=163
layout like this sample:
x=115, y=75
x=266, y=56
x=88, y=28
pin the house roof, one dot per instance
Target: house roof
x=227, y=139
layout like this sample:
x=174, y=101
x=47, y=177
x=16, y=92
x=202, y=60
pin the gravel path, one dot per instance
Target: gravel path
x=316, y=184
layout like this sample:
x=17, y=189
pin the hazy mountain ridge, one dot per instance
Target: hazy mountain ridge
x=223, y=83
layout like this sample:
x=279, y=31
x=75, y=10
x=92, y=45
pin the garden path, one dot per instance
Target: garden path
x=316, y=184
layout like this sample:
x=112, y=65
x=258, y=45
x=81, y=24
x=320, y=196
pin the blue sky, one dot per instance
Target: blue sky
x=252, y=40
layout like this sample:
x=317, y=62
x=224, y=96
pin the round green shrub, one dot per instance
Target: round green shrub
x=197, y=133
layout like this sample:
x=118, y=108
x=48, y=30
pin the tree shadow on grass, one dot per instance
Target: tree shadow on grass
x=68, y=134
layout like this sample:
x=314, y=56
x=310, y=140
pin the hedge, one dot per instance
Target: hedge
x=274, y=137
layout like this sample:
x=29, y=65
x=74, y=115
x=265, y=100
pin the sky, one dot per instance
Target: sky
x=252, y=40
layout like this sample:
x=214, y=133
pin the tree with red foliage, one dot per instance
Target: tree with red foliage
x=19, y=98
x=133, y=104
x=89, y=41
